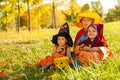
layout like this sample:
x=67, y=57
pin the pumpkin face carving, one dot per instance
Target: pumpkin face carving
x=62, y=62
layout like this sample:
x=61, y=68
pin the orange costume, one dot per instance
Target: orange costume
x=87, y=58
x=51, y=58
x=62, y=41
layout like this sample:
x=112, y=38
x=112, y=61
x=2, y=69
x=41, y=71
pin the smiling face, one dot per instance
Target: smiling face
x=61, y=41
x=86, y=22
x=92, y=32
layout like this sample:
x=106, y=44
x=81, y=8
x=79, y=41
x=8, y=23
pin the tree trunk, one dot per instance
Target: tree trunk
x=18, y=19
x=6, y=22
x=53, y=17
x=29, y=26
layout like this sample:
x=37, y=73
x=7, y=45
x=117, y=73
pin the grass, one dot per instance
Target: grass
x=19, y=52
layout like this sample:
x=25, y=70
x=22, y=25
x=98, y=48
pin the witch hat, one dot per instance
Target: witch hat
x=64, y=31
x=64, y=28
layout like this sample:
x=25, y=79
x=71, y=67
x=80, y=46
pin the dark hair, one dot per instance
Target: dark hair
x=93, y=25
x=81, y=19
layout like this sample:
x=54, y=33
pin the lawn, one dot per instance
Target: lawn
x=19, y=52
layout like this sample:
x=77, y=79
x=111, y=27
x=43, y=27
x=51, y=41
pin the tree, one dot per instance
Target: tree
x=85, y=7
x=28, y=9
x=28, y=2
x=53, y=16
x=11, y=11
x=55, y=4
x=7, y=12
x=97, y=6
x=72, y=13
x=18, y=18
x=30, y=6
x=113, y=14
x=40, y=16
x=20, y=8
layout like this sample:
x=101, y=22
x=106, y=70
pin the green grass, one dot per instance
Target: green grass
x=20, y=52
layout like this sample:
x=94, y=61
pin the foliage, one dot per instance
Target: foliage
x=7, y=12
x=40, y=16
x=85, y=7
x=72, y=13
x=113, y=14
x=60, y=18
x=41, y=13
x=98, y=8
x=19, y=53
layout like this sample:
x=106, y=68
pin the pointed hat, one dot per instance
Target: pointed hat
x=64, y=31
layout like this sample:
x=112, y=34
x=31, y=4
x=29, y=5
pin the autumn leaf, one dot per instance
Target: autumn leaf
x=1, y=49
x=3, y=73
x=27, y=64
x=19, y=76
x=2, y=63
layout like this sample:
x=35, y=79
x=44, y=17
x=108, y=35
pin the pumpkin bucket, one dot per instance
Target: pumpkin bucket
x=62, y=62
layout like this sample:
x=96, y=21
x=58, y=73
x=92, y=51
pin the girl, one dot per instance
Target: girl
x=92, y=49
x=84, y=20
x=81, y=35
x=63, y=42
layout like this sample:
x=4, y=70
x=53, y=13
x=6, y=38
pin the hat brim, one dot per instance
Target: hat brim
x=66, y=35
x=88, y=14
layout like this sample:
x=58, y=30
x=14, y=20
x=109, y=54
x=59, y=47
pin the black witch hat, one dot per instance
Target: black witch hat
x=64, y=31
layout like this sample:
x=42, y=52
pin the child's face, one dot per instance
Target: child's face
x=92, y=32
x=86, y=22
x=61, y=40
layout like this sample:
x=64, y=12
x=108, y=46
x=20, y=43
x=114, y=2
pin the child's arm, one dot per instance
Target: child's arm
x=95, y=49
x=54, y=51
x=86, y=48
x=78, y=48
x=68, y=52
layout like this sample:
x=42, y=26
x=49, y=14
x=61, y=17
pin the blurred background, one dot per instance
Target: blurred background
x=19, y=15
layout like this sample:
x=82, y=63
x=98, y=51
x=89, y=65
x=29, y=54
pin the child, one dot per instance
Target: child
x=93, y=39
x=63, y=42
x=92, y=48
x=81, y=35
x=84, y=20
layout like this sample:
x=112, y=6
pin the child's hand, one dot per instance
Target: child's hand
x=95, y=49
x=59, y=49
x=76, y=49
x=82, y=45
x=58, y=54
x=86, y=48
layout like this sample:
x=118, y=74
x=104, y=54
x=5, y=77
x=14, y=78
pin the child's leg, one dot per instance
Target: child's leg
x=75, y=62
x=47, y=65
x=73, y=55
